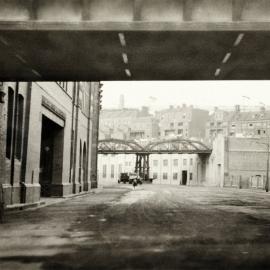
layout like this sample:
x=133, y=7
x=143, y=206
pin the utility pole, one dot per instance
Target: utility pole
x=2, y=150
x=267, y=164
x=267, y=169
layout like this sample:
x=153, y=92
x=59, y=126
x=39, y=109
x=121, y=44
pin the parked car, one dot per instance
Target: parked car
x=123, y=178
x=129, y=177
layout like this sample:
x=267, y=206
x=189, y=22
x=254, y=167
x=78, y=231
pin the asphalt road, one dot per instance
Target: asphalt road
x=152, y=227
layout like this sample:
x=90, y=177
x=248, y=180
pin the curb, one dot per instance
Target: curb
x=40, y=204
x=23, y=206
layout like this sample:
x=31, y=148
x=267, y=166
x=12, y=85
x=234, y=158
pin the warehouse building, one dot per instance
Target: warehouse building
x=47, y=139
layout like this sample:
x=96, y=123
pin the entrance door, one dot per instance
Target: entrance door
x=184, y=178
x=49, y=141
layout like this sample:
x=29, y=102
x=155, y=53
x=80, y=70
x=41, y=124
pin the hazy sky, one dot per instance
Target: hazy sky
x=161, y=94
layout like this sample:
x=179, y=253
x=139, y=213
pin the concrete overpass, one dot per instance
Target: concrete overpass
x=134, y=39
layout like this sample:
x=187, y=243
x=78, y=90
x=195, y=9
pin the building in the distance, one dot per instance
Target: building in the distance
x=167, y=169
x=46, y=139
x=127, y=124
x=237, y=123
x=184, y=121
x=237, y=162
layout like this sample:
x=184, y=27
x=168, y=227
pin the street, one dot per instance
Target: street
x=151, y=227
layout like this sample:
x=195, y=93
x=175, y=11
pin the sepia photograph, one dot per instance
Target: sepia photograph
x=134, y=134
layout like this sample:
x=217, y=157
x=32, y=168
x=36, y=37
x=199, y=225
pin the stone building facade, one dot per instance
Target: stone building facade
x=237, y=123
x=127, y=124
x=167, y=169
x=182, y=121
x=237, y=162
x=46, y=139
x=175, y=169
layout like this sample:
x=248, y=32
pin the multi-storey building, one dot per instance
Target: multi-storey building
x=185, y=121
x=127, y=124
x=172, y=169
x=238, y=162
x=238, y=123
x=46, y=139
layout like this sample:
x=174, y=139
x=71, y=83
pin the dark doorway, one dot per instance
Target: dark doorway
x=49, y=140
x=84, y=168
x=184, y=178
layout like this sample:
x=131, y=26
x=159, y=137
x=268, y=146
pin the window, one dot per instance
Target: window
x=81, y=99
x=72, y=148
x=259, y=131
x=165, y=162
x=180, y=131
x=9, y=122
x=104, y=170
x=63, y=85
x=171, y=125
x=155, y=175
x=184, y=161
x=190, y=176
x=19, y=127
x=175, y=162
x=155, y=163
x=120, y=168
x=250, y=125
x=180, y=124
x=175, y=176
x=165, y=176
x=112, y=171
x=191, y=162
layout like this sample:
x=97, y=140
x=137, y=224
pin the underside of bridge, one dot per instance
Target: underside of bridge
x=134, y=39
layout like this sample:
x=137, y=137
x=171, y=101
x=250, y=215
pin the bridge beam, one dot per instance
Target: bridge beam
x=142, y=165
x=128, y=15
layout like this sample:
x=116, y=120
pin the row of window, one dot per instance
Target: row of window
x=179, y=124
x=165, y=162
x=258, y=124
x=14, y=124
x=165, y=176
x=155, y=174
x=112, y=171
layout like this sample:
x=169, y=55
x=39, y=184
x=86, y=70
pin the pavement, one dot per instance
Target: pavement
x=151, y=227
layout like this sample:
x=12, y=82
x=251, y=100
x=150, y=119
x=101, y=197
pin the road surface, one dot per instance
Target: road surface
x=151, y=227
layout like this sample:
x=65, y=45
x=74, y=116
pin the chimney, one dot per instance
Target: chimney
x=184, y=105
x=262, y=109
x=237, y=108
x=145, y=111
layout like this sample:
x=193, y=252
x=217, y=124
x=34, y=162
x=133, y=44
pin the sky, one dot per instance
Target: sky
x=205, y=94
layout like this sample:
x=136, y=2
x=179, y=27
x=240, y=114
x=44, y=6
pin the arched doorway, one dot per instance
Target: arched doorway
x=84, y=169
x=80, y=167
